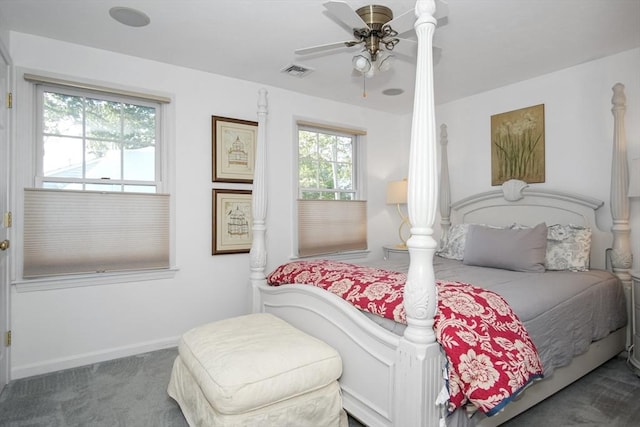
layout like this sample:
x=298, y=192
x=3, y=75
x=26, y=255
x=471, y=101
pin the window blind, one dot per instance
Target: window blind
x=331, y=226
x=73, y=232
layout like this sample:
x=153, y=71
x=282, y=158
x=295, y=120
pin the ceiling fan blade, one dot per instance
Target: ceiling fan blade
x=343, y=12
x=403, y=23
x=442, y=10
x=406, y=47
x=437, y=54
x=442, y=21
x=411, y=58
x=322, y=47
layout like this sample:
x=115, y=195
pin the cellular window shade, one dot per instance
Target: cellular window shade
x=72, y=232
x=331, y=226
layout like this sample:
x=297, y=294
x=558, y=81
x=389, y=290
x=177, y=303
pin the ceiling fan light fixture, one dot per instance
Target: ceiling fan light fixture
x=384, y=61
x=362, y=62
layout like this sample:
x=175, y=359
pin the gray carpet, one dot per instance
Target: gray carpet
x=609, y=396
x=131, y=392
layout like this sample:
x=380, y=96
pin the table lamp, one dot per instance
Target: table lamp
x=397, y=195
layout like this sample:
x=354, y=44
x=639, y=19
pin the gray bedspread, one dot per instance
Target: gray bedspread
x=563, y=311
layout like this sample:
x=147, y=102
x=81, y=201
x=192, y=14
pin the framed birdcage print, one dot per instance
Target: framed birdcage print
x=233, y=149
x=232, y=221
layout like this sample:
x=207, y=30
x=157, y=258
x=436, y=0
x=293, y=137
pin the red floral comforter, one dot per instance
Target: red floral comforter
x=490, y=355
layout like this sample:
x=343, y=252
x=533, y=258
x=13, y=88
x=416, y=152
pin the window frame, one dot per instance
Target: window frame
x=359, y=175
x=354, y=162
x=40, y=179
x=25, y=154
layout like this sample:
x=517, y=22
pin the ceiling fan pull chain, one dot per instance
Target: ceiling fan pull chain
x=364, y=85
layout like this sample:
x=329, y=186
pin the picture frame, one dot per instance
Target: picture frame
x=233, y=149
x=231, y=221
x=518, y=145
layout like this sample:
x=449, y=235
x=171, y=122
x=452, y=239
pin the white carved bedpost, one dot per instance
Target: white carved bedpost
x=445, y=188
x=258, y=253
x=418, y=364
x=422, y=191
x=621, y=259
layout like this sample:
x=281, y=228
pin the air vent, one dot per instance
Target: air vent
x=296, y=70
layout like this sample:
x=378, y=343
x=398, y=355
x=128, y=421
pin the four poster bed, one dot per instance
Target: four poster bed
x=394, y=376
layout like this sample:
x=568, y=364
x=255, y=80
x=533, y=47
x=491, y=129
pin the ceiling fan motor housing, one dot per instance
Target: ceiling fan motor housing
x=375, y=15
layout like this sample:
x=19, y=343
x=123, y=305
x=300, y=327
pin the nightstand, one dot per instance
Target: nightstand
x=634, y=357
x=387, y=250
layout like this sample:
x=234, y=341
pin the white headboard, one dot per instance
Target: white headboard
x=517, y=203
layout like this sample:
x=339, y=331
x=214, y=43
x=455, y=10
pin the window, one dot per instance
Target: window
x=326, y=169
x=92, y=142
x=331, y=208
x=99, y=203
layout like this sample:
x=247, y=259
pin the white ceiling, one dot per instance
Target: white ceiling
x=486, y=43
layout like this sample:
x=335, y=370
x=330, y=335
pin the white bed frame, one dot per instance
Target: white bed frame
x=392, y=380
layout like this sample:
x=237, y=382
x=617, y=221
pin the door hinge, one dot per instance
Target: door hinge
x=8, y=220
x=9, y=100
x=8, y=341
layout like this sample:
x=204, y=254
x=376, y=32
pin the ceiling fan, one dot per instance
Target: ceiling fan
x=377, y=32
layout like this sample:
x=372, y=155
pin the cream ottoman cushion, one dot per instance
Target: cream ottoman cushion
x=249, y=362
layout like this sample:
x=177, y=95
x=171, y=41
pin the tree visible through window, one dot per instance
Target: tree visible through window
x=98, y=143
x=326, y=164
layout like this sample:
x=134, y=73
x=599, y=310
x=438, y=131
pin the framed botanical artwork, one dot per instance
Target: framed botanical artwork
x=232, y=221
x=233, y=149
x=517, y=145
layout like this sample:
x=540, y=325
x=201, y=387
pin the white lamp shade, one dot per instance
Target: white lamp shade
x=397, y=192
x=634, y=178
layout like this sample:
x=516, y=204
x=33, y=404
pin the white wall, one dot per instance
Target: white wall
x=68, y=327
x=57, y=329
x=578, y=130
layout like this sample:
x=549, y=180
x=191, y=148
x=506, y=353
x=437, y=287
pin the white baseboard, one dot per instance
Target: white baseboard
x=75, y=361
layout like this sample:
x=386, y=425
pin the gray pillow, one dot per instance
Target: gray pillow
x=509, y=249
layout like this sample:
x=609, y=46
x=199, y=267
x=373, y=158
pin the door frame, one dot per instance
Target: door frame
x=5, y=206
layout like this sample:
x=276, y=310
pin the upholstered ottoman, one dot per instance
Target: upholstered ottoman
x=256, y=370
